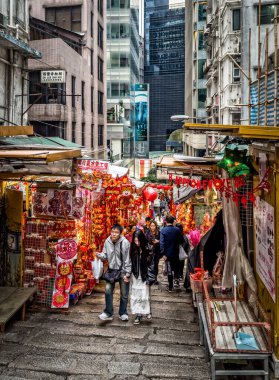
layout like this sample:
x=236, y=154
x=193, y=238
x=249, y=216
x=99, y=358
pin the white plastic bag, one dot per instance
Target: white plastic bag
x=182, y=253
x=97, y=268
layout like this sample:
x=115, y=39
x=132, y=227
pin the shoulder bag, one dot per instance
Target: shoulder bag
x=114, y=275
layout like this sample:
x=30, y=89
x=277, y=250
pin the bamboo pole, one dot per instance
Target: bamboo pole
x=259, y=59
x=275, y=65
x=249, y=73
x=265, y=76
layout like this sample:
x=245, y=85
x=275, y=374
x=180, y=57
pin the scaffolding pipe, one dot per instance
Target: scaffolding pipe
x=259, y=59
x=265, y=76
x=275, y=65
x=249, y=73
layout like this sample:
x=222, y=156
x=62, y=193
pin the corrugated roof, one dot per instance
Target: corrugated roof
x=37, y=140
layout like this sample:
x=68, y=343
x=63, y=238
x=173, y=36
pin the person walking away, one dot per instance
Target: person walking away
x=117, y=251
x=186, y=247
x=143, y=277
x=153, y=237
x=170, y=239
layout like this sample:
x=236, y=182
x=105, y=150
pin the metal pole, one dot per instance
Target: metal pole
x=259, y=59
x=249, y=73
x=275, y=65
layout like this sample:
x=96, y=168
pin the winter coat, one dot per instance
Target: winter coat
x=170, y=239
x=146, y=265
x=112, y=252
x=156, y=247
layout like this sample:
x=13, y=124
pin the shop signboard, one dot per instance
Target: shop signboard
x=141, y=120
x=265, y=252
x=91, y=165
x=53, y=76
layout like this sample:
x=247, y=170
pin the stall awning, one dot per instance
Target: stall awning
x=244, y=131
x=9, y=41
x=37, y=140
x=39, y=155
x=168, y=165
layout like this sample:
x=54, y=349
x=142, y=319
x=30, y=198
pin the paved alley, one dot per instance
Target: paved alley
x=77, y=346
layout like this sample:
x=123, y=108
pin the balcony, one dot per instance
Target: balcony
x=54, y=111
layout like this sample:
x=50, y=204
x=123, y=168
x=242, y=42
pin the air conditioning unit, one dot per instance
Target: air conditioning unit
x=3, y=21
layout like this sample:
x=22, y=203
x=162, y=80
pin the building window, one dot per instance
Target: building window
x=73, y=91
x=100, y=69
x=91, y=62
x=124, y=90
x=100, y=36
x=201, y=63
x=236, y=74
x=73, y=131
x=92, y=98
x=52, y=93
x=236, y=19
x=83, y=134
x=201, y=40
x=92, y=136
x=65, y=17
x=236, y=118
x=82, y=95
x=125, y=4
x=100, y=135
x=202, y=12
x=100, y=103
x=201, y=97
x=267, y=14
x=91, y=24
x=100, y=7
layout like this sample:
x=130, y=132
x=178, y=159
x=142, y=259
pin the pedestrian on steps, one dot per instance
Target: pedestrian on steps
x=143, y=276
x=117, y=252
x=170, y=239
x=153, y=237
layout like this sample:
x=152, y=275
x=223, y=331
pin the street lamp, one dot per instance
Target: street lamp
x=180, y=117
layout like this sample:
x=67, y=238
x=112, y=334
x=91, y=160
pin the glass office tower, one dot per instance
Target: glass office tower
x=122, y=65
x=164, y=68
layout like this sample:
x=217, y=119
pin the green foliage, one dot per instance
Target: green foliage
x=152, y=177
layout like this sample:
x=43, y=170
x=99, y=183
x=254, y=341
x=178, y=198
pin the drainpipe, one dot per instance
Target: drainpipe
x=11, y=86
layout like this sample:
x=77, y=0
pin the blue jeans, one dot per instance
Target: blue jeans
x=124, y=292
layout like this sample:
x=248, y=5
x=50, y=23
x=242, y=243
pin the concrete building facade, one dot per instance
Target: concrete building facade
x=14, y=53
x=76, y=109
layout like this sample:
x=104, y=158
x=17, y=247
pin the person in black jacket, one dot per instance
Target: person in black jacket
x=143, y=276
x=170, y=239
x=153, y=237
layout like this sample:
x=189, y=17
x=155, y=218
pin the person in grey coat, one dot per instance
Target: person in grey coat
x=117, y=251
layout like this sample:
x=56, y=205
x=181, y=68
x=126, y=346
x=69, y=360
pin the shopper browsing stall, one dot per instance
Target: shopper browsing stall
x=116, y=251
x=143, y=276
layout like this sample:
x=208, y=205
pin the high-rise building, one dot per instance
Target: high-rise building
x=14, y=52
x=164, y=68
x=123, y=71
x=72, y=38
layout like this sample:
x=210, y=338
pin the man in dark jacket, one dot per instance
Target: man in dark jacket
x=170, y=239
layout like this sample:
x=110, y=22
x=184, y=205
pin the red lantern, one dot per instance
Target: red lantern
x=159, y=187
x=150, y=194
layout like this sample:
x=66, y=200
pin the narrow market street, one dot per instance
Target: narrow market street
x=77, y=346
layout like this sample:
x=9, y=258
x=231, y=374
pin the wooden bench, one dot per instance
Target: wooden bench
x=214, y=356
x=11, y=301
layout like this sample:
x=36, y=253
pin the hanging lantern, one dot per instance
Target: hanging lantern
x=150, y=194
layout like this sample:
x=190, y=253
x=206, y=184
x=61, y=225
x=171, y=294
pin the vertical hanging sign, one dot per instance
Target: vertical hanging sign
x=141, y=120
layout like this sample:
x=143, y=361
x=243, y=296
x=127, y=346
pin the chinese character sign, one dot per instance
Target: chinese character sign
x=265, y=252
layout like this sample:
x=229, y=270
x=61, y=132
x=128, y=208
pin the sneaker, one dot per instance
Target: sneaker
x=137, y=320
x=180, y=278
x=124, y=317
x=149, y=317
x=170, y=290
x=176, y=284
x=105, y=317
